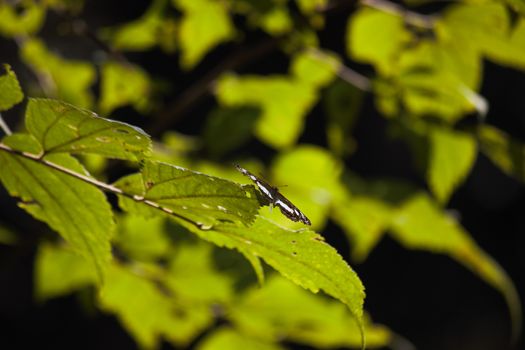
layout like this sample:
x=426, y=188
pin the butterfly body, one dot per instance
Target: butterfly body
x=275, y=198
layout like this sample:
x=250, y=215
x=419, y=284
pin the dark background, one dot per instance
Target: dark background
x=429, y=299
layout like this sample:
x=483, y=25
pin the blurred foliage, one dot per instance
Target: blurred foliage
x=152, y=265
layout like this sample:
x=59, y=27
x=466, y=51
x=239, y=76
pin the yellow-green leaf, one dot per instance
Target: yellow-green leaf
x=69, y=80
x=62, y=128
x=10, y=91
x=123, y=84
x=420, y=224
x=205, y=24
x=452, y=155
x=315, y=68
x=59, y=271
x=284, y=103
x=227, y=338
x=302, y=256
x=364, y=220
x=191, y=196
x=75, y=209
x=280, y=310
x=143, y=239
x=147, y=312
x=376, y=37
x=22, y=18
x=505, y=152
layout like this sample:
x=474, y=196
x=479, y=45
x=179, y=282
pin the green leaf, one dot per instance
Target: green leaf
x=280, y=310
x=485, y=27
x=191, y=196
x=123, y=84
x=311, y=6
x=315, y=68
x=140, y=34
x=452, y=155
x=143, y=239
x=147, y=312
x=227, y=338
x=10, y=91
x=364, y=220
x=301, y=256
x=62, y=128
x=284, y=103
x=194, y=275
x=59, y=271
x=25, y=18
x=237, y=123
x=505, y=152
x=420, y=224
x=205, y=24
x=376, y=37
x=69, y=80
x=75, y=209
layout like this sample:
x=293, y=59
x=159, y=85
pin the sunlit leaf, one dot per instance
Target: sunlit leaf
x=143, y=239
x=10, y=91
x=309, y=6
x=198, y=198
x=69, y=80
x=315, y=68
x=75, y=209
x=504, y=151
x=365, y=220
x=376, y=37
x=205, y=24
x=62, y=128
x=147, y=312
x=24, y=18
x=227, y=338
x=420, y=224
x=301, y=256
x=123, y=84
x=276, y=21
x=59, y=271
x=281, y=310
x=484, y=27
x=452, y=155
x=193, y=274
x=283, y=102
x=140, y=34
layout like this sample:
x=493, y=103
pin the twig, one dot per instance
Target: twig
x=346, y=73
x=413, y=18
x=102, y=185
x=4, y=126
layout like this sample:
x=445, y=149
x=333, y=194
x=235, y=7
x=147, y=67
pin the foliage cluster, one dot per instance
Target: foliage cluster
x=148, y=258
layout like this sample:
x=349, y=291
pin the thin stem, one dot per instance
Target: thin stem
x=102, y=185
x=413, y=18
x=4, y=126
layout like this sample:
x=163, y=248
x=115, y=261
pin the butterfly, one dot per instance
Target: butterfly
x=275, y=198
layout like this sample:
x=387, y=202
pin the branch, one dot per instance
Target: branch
x=101, y=185
x=413, y=18
x=4, y=126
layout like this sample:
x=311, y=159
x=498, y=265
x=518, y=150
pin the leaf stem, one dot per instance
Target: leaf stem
x=101, y=185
